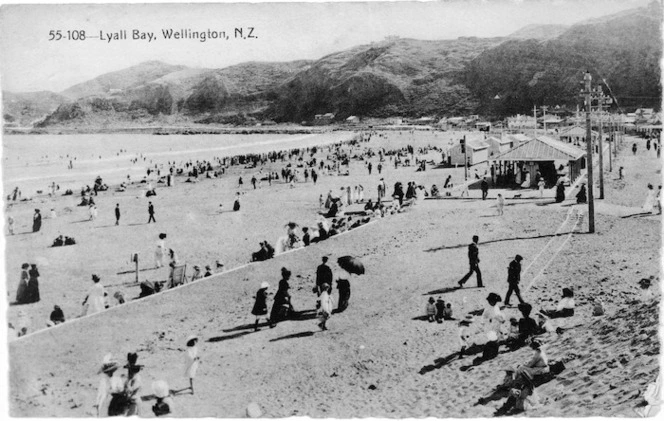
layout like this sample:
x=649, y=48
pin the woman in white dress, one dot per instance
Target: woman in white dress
x=95, y=301
x=110, y=382
x=192, y=360
x=160, y=252
x=649, y=205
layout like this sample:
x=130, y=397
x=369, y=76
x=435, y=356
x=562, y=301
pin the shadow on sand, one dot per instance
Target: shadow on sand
x=294, y=336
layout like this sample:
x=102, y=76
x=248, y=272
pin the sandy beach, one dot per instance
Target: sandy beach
x=378, y=358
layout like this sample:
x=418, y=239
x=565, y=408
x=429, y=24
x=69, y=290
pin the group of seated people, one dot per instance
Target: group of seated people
x=520, y=380
x=266, y=252
x=63, y=241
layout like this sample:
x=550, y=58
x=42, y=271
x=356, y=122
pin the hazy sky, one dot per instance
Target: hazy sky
x=285, y=31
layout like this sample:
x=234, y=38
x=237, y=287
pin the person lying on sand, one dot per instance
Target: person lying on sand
x=565, y=307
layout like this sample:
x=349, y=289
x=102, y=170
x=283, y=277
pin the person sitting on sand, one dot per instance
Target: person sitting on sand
x=565, y=307
x=57, y=317
x=527, y=325
x=537, y=365
x=434, y=191
x=447, y=312
x=164, y=404
x=369, y=205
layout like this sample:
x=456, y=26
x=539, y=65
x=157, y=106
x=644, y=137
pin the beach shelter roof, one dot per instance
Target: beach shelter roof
x=500, y=139
x=542, y=148
x=477, y=144
x=576, y=131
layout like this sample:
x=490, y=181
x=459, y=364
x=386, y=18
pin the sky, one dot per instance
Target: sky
x=29, y=61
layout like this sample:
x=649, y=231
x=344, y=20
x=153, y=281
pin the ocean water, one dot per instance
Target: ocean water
x=33, y=162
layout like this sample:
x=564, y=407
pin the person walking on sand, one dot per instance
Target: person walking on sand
x=117, y=214
x=500, y=204
x=192, y=360
x=484, y=185
x=634, y=149
x=95, y=300
x=325, y=311
x=151, y=213
x=260, y=304
x=513, y=279
x=473, y=261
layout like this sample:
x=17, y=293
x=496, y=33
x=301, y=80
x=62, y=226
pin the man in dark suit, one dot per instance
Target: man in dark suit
x=513, y=279
x=473, y=261
x=484, y=185
x=117, y=214
x=151, y=213
x=323, y=276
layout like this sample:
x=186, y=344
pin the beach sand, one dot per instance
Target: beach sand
x=377, y=358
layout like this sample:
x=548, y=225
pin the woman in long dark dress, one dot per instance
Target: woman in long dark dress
x=36, y=221
x=282, y=307
x=560, y=192
x=33, y=284
x=22, y=291
x=260, y=305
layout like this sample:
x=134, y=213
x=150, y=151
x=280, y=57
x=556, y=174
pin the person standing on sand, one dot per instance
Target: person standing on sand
x=540, y=186
x=192, y=360
x=500, y=204
x=151, y=213
x=36, y=221
x=110, y=383
x=484, y=185
x=323, y=276
x=160, y=252
x=260, y=305
x=33, y=284
x=22, y=296
x=117, y=214
x=634, y=149
x=10, y=224
x=473, y=261
x=513, y=279
x=649, y=204
x=325, y=311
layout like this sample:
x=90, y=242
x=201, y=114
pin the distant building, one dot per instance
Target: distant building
x=519, y=122
x=395, y=121
x=113, y=91
x=500, y=144
x=327, y=116
x=477, y=151
x=353, y=120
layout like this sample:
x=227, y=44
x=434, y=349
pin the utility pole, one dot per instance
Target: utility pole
x=600, y=143
x=544, y=107
x=535, y=117
x=587, y=78
x=610, y=140
x=465, y=157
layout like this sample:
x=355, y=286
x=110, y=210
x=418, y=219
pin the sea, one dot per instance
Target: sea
x=33, y=162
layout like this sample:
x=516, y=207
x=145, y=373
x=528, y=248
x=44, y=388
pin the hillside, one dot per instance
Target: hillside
x=24, y=109
x=624, y=50
x=121, y=80
x=537, y=65
x=394, y=77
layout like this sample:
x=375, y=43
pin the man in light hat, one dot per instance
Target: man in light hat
x=513, y=279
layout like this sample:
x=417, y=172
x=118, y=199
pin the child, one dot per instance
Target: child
x=325, y=310
x=464, y=337
x=164, y=405
x=500, y=203
x=260, y=305
x=192, y=360
x=440, y=310
x=431, y=309
x=447, y=312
